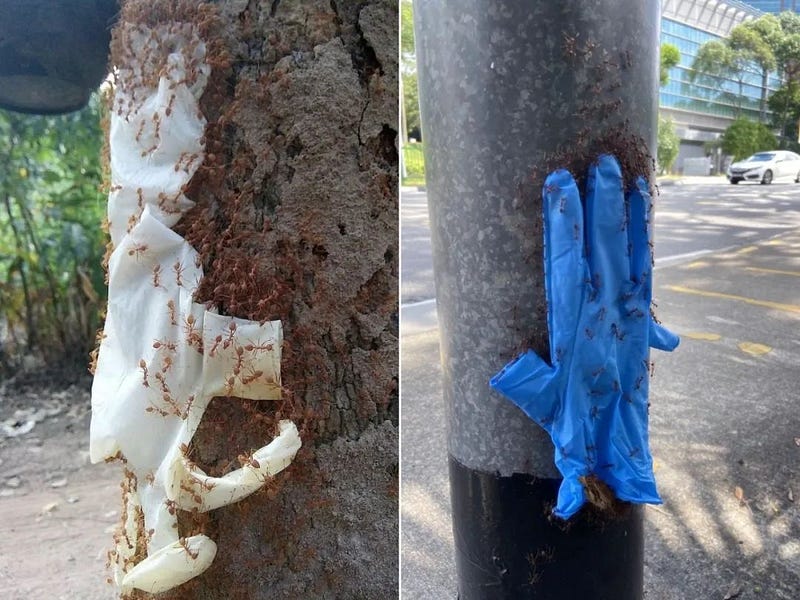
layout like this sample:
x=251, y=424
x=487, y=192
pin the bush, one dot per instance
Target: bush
x=51, y=242
x=414, y=161
x=668, y=144
x=744, y=137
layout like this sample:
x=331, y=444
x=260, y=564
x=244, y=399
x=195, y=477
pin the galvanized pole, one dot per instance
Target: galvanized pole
x=505, y=86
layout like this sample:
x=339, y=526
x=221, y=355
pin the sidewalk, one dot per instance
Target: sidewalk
x=691, y=180
x=660, y=181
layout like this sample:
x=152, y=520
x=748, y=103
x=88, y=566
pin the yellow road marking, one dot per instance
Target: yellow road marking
x=776, y=271
x=753, y=348
x=697, y=264
x=746, y=250
x=776, y=243
x=792, y=308
x=701, y=335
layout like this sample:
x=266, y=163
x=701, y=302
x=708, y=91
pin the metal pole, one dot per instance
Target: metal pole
x=504, y=86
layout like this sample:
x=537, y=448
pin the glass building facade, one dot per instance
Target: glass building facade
x=775, y=6
x=721, y=97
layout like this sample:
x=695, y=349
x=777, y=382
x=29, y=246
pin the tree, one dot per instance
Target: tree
x=407, y=48
x=670, y=57
x=411, y=105
x=668, y=144
x=765, y=43
x=716, y=61
x=787, y=46
x=296, y=219
x=744, y=137
x=790, y=22
x=408, y=64
x=785, y=106
x=787, y=53
x=757, y=39
x=51, y=209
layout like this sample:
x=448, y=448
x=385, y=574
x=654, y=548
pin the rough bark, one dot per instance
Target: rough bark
x=296, y=219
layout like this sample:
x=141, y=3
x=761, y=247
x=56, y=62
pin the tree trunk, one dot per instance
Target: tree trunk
x=739, y=98
x=31, y=334
x=763, y=103
x=296, y=219
x=785, y=115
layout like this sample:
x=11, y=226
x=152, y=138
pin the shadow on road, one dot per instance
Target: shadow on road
x=725, y=435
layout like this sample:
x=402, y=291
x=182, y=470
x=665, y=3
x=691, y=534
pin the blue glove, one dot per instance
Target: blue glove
x=592, y=397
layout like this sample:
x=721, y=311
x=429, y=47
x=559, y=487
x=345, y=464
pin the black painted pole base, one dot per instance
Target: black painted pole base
x=509, y=546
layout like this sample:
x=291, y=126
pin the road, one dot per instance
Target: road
x=691, y=221
x=725, y=430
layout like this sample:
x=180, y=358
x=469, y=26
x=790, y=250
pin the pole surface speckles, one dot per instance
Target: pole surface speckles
x=163, y=356
x=499, y=92
x=510, y=91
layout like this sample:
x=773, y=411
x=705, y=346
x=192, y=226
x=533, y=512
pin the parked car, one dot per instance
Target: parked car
x=766, y=167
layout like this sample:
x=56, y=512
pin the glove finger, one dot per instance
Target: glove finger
x=571, y=496
x=525, y=381
x=641, y=257
x=565, y=266
x=607, y=238
x=662, y=338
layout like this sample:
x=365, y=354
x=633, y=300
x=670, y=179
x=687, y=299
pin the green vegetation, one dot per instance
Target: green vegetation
x=716, y=61
x=413, y=159
x=414, y=162
x=767, y=44
x=668, y=142
x=744, y=137
x=51, y=242
x=407, y=49
x=670, y=56
x=785, y=106
x=784, y=102
x=758, y=40
x=668, y=145
x=408, y=67
x=411, y=105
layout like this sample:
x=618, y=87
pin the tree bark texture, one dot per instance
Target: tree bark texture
x=296, y=219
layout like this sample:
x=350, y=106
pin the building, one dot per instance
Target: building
x=703, y=109
x=775, y=6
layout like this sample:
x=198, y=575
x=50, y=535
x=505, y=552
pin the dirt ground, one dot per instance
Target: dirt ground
x=57, y=510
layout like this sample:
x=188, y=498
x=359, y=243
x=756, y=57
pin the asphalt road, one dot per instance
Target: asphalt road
x=725, y=426
x=691, y=221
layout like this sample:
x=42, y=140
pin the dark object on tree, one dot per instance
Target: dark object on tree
x=53, y=53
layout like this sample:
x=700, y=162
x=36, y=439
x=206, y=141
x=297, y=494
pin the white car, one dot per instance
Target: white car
x=766, y=167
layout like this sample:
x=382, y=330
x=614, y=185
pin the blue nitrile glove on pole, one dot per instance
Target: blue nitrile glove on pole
x=593, y=399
